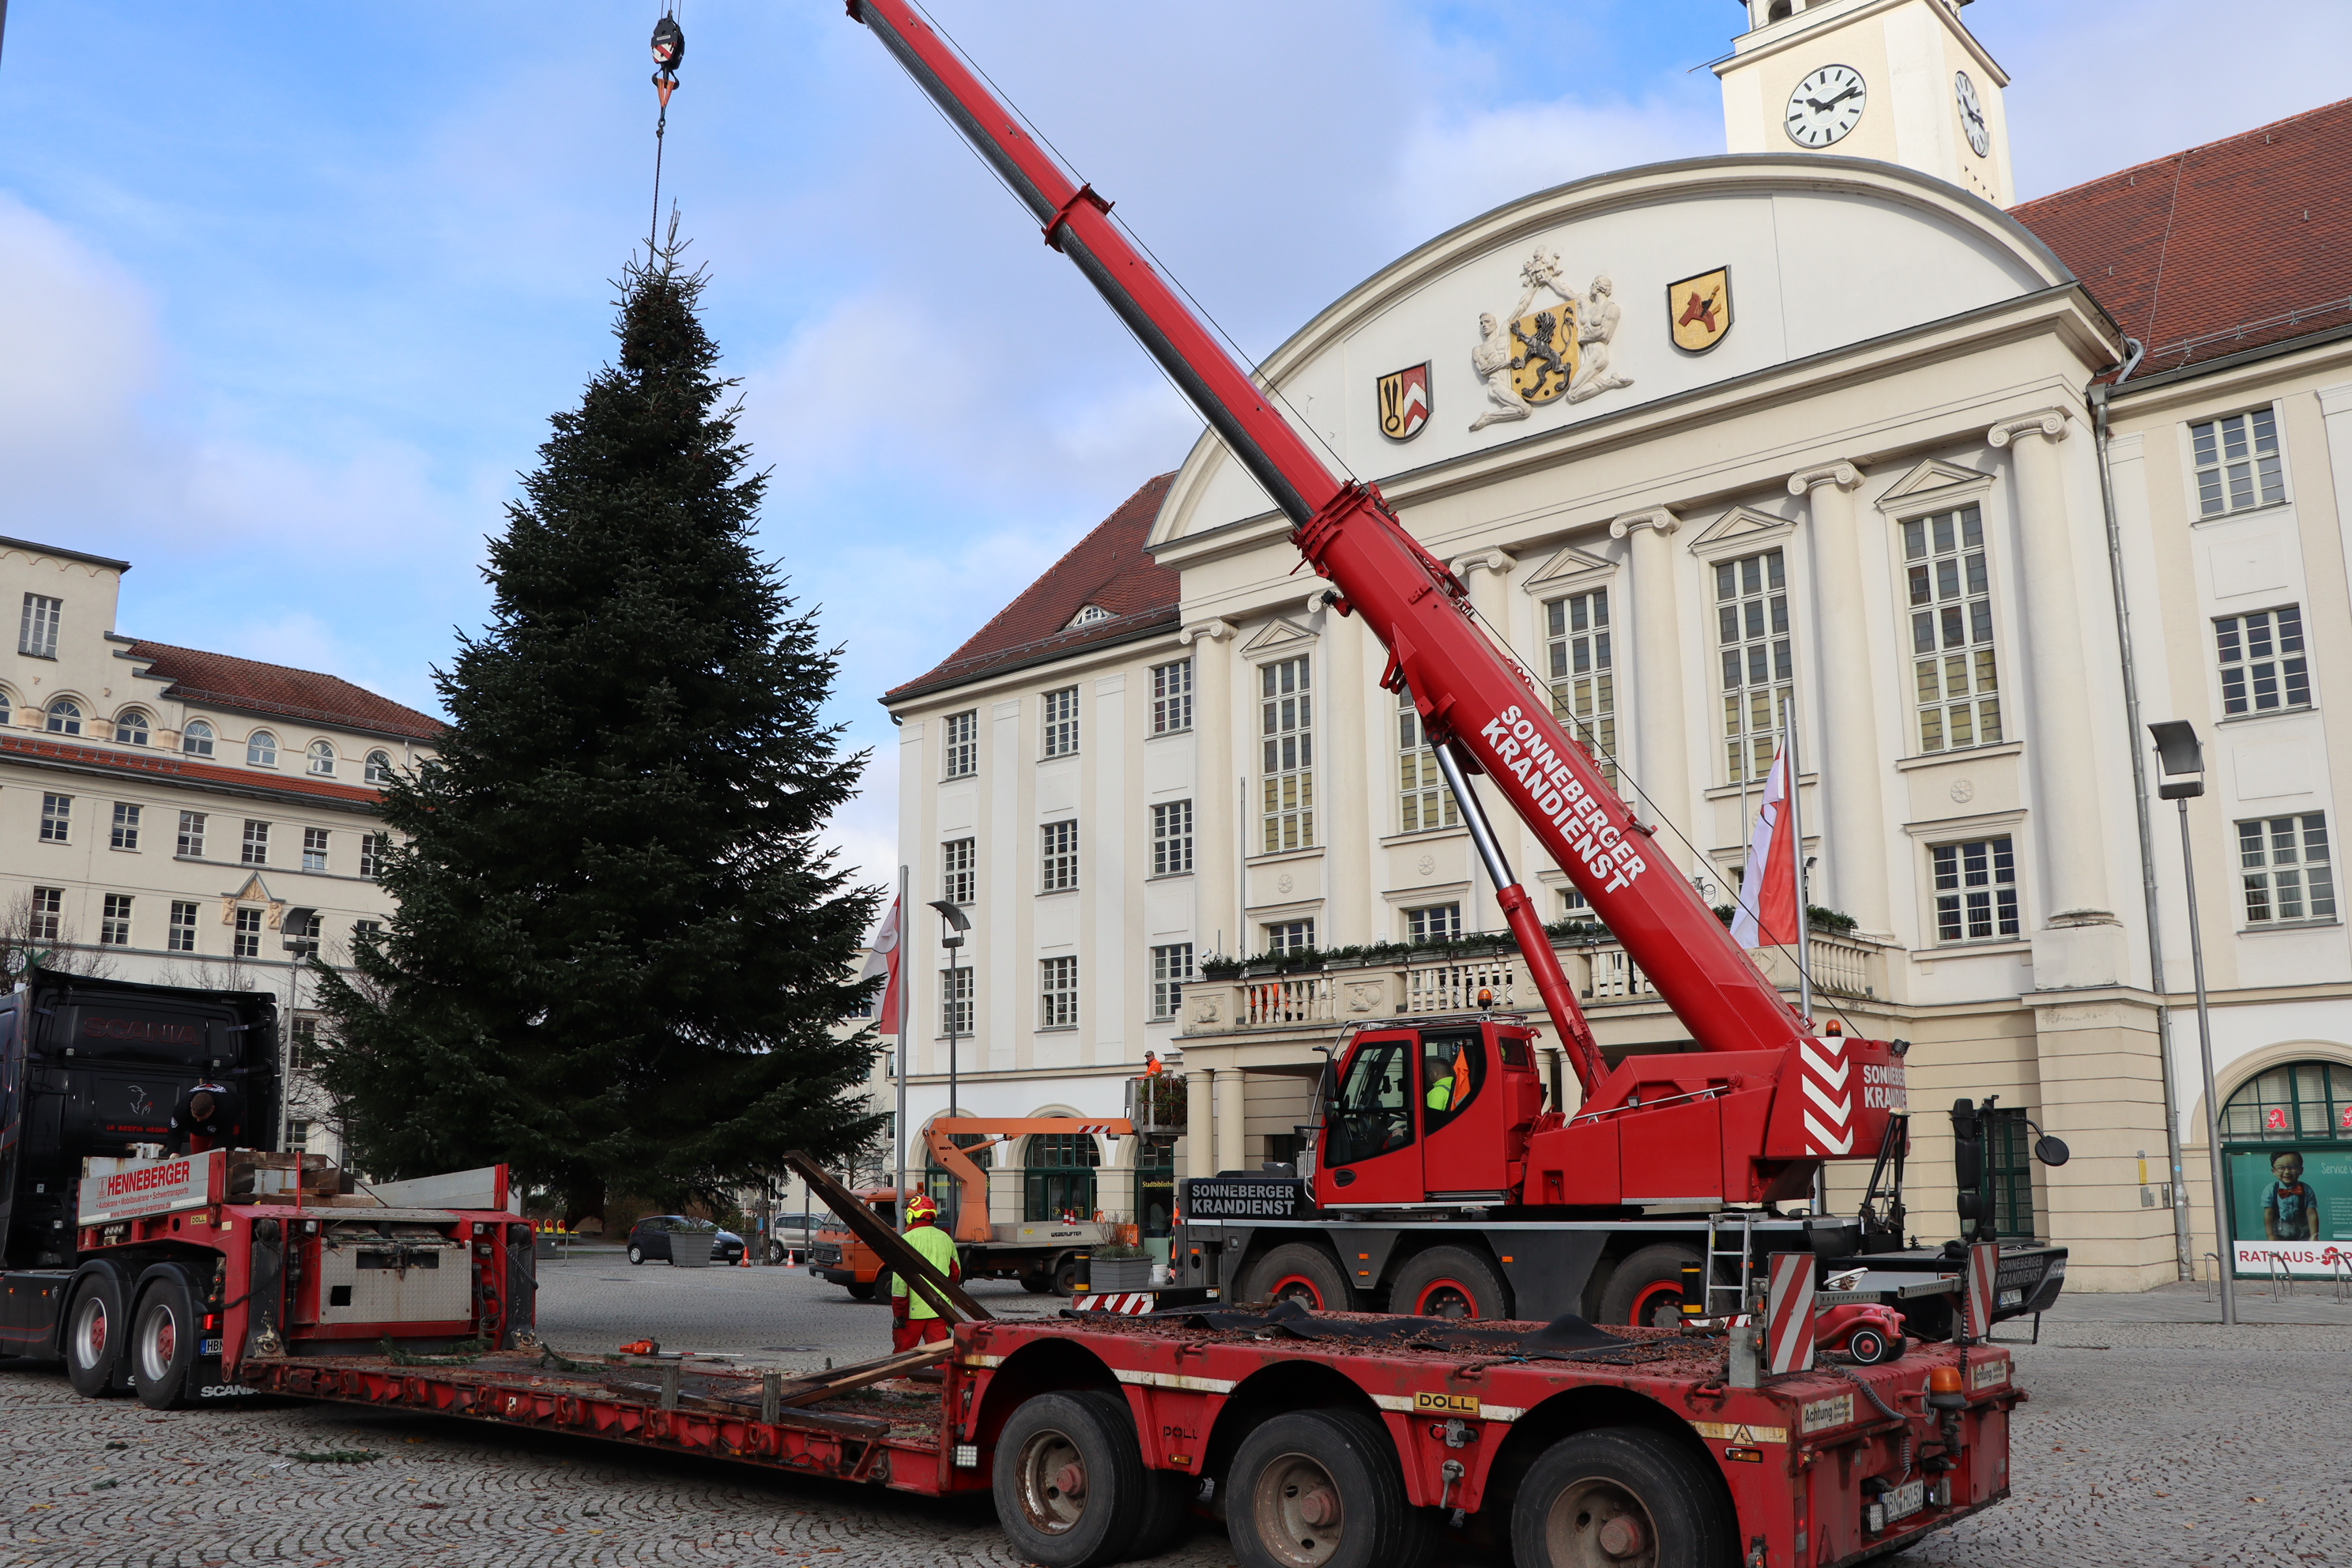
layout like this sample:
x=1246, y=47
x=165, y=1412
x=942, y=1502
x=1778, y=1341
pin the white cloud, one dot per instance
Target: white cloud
x=1461, y=162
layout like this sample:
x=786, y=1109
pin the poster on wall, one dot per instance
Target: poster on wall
x=2295, y=1205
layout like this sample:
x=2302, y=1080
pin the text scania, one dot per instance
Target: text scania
x=1883, y=1087
x=1550, y=786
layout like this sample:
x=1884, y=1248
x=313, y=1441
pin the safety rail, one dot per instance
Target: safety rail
x=1457, y=986
x=1289, y=999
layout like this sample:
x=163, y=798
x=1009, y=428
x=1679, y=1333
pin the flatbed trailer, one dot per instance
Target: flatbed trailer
x=1246, y=1414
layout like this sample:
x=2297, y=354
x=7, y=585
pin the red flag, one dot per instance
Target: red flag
x=884, y=960
x=1767, y=915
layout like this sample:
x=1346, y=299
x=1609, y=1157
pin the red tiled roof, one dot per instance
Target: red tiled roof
x=218, y=680
x=165, y=765
x=2222, y=247
x=1107, y=568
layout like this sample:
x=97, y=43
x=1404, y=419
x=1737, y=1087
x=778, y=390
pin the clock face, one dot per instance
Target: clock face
x=1825, y=105
x=1972, y=117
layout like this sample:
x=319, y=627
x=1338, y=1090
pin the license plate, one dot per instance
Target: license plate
x=2012, y=1297
x=1905, y=1501
x=208, y=1347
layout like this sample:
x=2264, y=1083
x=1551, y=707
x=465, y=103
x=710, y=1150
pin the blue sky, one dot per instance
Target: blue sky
x=287, y=292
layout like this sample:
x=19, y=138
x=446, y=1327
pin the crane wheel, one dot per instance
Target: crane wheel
x=1070, y=1486
x=1321, y=1488
x=1296, y=1271
x=1646, y=1289
x=1620, y=1495
x=1449, y=1282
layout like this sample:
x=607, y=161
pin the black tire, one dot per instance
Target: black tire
x=1063, y=1278
x=97, y=1325
x=1649, y=1283
x=1069, y=1481
x=1297, y=1271
x=860, y=1292
x=1037, y=1284
x=1868, y=1346
x=775, y=1253
x=881, y=1287
x=636, y=1253
x=1449, y=1282
x=163, y=1338
x=1321, y=1488
x=1663, y=1508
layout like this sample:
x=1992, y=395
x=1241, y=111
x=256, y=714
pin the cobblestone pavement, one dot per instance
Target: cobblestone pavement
x=2144, y=1445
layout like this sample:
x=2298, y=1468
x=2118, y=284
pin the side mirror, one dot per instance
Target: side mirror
x=2052, y=1150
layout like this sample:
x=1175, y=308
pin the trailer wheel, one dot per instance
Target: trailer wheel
x=1321, y=1488
x=1295, y=1271
x=1646, y=1291
x=1069, y=1480
x=1620, y=1495
x=163, y=1341
x=1448, y=1282
x=97, y=1326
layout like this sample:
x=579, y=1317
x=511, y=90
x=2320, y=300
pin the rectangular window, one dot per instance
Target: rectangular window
x=1583, y=678
x=57, y=817
x=1287, y=730
x=2283, y=863
x=2008, y=1172
x=1058, y=870
x=1976, y=890
x=114, y=925
x=36, y=632
x=1171, y=838
x=372, y=851
x=1062, y=722
x=191, y=833
x=314, y=849
x=48, y=911
x=364, y=930
x=182, y=937
x=1751, y=621
x=1289, y=936
x=1170, y=967
x=303, y=1041
x=126, y=825
x=962, y=744
x=1172, y=697
x=1432, y=922
x=1955, y=685
x=298, y=1135
x=959, y=870
x=2237, y=462
x=256, y=842
x=955, y=1001
x=1423, y=799
x=248, y=941
x=2261, y=661
x=1057, y=993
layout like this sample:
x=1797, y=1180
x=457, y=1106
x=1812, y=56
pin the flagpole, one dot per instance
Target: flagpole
x=906, y=979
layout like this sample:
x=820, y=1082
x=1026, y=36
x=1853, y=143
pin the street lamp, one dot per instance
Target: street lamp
x=2180, y=762
x=957, y=923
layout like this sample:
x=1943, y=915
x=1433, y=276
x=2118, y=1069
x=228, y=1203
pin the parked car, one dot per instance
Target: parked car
x=790, y=1236
x=650, y=1238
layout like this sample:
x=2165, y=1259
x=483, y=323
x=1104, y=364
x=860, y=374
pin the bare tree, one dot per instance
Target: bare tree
x=47, y=936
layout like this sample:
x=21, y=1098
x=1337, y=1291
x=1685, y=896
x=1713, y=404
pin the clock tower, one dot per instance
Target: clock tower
x=1902, y=80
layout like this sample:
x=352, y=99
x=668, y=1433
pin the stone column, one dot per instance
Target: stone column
x=1200, y=1126
x=1349, y=821
x=1661, y=721
x=2081, y=941
x=1231, y=1150
x=1215, y=898
x=1842, y=747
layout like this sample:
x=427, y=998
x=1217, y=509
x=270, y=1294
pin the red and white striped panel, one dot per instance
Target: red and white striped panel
x=1984, y=1271
x=1828, y=1118
x=1789, y=1313
x=1127, y=1303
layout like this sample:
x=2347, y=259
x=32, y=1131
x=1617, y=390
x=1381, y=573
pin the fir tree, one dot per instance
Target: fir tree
x=619, y=953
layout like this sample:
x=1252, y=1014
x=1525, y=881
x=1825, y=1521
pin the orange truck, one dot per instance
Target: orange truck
x=1044, y=1255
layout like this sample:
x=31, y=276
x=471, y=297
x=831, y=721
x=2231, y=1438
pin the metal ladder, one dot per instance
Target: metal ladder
x=1741, y=1253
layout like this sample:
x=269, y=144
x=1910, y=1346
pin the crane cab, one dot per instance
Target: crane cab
x=1429, y=1110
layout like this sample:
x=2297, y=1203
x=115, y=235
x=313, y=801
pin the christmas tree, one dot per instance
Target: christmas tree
x=620, y=954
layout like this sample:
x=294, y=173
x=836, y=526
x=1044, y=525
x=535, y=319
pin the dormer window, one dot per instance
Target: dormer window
x=261, y=749
x=1087, y=617
x=196, y=740
x=64, y=717
x=131, y=728
x=323, y=759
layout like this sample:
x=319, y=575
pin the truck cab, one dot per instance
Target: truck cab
x=1433, y=1111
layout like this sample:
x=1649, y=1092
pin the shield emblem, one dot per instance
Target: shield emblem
x=1405, y=402
x=1543, y=353
x=1698, y=309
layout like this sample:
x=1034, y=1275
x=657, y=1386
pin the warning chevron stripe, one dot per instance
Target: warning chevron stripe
x=1828, y=1142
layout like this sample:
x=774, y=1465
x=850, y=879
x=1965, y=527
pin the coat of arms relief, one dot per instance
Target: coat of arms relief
x=1539, y=356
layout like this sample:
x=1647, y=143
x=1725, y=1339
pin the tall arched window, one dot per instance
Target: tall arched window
x=7, y=707
x=1060, y=1177
x=323, y=759
x=131, y=728
x=196, y=740
x=379, y=767
x=2300, y=1102
x=64, y=717
x=2286, y=1137
x=261, y=749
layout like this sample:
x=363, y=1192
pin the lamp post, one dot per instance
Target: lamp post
x=956, y=923
x=2180, y=762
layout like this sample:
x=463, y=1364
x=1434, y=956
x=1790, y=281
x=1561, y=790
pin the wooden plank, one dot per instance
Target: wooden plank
x=911, y=1265
x=849, y=1377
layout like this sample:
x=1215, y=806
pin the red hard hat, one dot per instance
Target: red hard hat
x=922, y=1207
